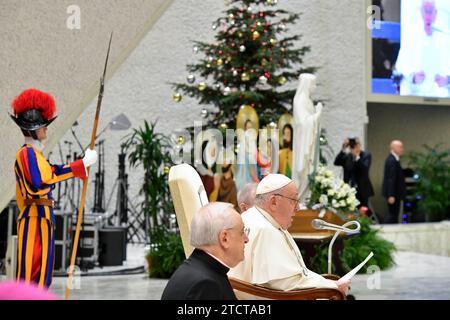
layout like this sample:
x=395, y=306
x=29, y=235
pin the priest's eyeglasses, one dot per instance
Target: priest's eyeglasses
x=292, y=199
x=245, y=231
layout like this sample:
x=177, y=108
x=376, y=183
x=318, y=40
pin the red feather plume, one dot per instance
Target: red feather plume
x=35, y=99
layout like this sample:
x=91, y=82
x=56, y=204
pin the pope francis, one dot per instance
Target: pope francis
x=272, y=258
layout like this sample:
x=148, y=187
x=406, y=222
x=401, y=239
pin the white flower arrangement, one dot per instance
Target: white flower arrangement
x=330, y=193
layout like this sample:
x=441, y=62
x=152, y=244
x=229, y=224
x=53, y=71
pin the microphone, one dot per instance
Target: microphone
x=322, y=225
x=317, y=224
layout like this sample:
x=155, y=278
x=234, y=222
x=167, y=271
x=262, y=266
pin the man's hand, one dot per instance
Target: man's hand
x=391, y=200
x=343, y=285
x=345, y=144
x=419, y=77
x=442, y=81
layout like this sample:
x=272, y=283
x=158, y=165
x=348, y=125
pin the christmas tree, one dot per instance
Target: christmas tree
x=250, y=63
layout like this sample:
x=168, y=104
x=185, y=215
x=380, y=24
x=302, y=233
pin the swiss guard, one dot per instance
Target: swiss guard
x=33, y=111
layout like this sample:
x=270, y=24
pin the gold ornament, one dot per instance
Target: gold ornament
x=240, y=34
x=177, y=97
x=245, y=77
x=219, y=62
x=255, y=35
x=223, y=126
x=259, y=24
x=202, y=86
x=281, y=80
x=180, y=140
x=273, y=42
x=166, y=169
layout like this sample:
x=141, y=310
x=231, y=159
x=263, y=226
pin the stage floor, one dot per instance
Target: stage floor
x=415, y=276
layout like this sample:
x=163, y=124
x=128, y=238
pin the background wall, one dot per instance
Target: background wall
x=414, y=125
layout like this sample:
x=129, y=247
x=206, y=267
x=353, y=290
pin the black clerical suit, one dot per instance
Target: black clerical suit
x=393, y=186
x=200, y=277
x=356, y=173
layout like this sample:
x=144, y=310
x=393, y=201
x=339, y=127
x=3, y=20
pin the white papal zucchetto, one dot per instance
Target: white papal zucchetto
x=272, y=182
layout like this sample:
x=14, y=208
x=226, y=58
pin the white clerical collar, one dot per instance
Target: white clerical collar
x=35, y=143
x=269, y=218
x=213, y=256
x=395, y=156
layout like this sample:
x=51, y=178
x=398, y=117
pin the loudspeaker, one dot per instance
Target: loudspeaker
x=113, y=244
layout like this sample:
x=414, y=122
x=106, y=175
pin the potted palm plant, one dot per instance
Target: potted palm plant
x=149, y=149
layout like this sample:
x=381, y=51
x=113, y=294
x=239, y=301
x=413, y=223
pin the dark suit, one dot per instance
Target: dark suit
x=393, y=186
x=200, y=277
x=356, y=173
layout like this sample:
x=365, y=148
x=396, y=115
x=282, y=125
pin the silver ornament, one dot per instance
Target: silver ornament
x=190, y=78
x=195, y=49
x=242, y=48
x=214, y=26
x=235, y=73
x=262, y=80
x=204, y=113
x=226, y=91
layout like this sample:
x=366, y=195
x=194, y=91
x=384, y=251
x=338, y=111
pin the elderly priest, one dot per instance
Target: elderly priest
x=218, y=236
x=272, y=258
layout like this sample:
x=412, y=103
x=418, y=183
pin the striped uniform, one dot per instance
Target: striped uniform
x=35, y=178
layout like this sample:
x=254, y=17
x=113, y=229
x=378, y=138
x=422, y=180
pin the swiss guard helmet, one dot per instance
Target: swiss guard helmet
x=33, y=109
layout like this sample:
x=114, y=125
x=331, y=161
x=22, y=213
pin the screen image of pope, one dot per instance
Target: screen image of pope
x=423, y=59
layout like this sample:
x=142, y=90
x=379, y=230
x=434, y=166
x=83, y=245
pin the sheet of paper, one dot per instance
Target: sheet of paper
x=355, y=270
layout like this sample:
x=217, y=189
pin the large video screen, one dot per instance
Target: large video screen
x=411, y=48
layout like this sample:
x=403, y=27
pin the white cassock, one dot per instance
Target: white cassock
x=272, y=258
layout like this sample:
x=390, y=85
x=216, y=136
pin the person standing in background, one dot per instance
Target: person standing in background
x=394, y=186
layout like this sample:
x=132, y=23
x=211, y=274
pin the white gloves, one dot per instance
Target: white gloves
x=90, y=157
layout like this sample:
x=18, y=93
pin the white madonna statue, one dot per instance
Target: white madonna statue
x=306, y=133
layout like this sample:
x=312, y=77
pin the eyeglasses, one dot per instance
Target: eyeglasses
x=245, y=231
x=295, y=200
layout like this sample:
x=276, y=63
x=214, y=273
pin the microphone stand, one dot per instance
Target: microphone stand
x=336, y=234
x=339, y=230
